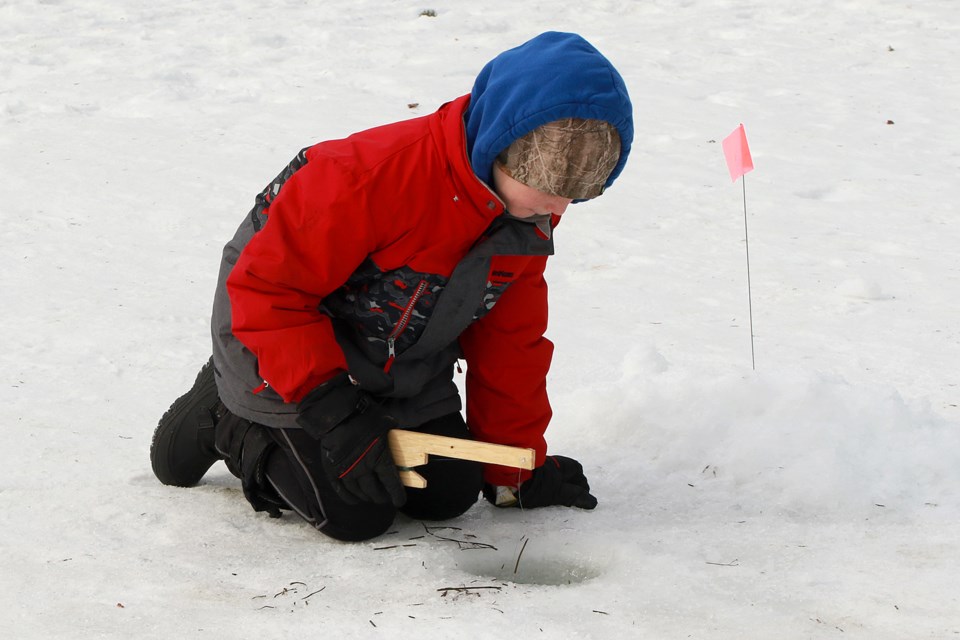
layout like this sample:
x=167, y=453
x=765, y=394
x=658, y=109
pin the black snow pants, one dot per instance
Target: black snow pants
x=280, y=469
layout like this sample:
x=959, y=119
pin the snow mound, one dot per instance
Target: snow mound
x=797, y=440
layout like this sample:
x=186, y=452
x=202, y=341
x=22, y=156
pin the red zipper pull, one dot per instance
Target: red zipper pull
x=391, y=354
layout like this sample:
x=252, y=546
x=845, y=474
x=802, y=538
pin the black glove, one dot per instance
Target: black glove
x=352, y=430
x=559, y=481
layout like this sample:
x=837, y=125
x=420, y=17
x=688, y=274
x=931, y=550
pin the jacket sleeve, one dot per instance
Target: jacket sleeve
x=508, y=358
x=317, y=232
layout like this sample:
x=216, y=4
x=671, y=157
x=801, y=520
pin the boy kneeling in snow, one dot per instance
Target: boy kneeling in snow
x=368, y=267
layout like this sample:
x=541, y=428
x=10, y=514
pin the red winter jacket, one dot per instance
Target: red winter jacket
x=348, y=263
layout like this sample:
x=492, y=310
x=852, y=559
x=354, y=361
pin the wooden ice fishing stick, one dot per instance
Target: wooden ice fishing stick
x=411, y=449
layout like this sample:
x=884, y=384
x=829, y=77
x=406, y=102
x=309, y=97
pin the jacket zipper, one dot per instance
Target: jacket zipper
x=402, y=324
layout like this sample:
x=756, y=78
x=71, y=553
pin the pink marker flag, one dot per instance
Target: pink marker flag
x=737, y=152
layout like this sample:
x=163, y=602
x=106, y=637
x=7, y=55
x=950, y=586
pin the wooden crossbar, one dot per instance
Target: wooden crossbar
x=412, y=449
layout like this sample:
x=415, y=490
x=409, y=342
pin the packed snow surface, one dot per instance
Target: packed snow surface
x=815, y=496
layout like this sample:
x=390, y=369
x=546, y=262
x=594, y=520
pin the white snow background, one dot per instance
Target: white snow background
x=815, y=497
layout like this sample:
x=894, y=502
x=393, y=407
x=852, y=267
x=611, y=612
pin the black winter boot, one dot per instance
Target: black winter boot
x=183, y=445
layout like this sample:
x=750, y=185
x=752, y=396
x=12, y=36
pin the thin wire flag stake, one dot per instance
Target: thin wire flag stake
x=739, y=162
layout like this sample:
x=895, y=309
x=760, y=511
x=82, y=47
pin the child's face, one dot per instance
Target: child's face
x=523, y=201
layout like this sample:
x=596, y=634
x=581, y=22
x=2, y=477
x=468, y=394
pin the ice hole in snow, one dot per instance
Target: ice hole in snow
x=546, y=566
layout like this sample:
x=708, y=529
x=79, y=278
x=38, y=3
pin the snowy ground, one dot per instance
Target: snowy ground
x=816, y=497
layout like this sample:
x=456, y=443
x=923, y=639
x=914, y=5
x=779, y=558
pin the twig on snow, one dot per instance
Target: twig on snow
x=517, y=566
x=463, y=544
x=734, y=563
x=394, y=546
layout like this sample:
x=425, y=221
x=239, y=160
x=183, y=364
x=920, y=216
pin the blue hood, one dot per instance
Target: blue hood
x=555, y=75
